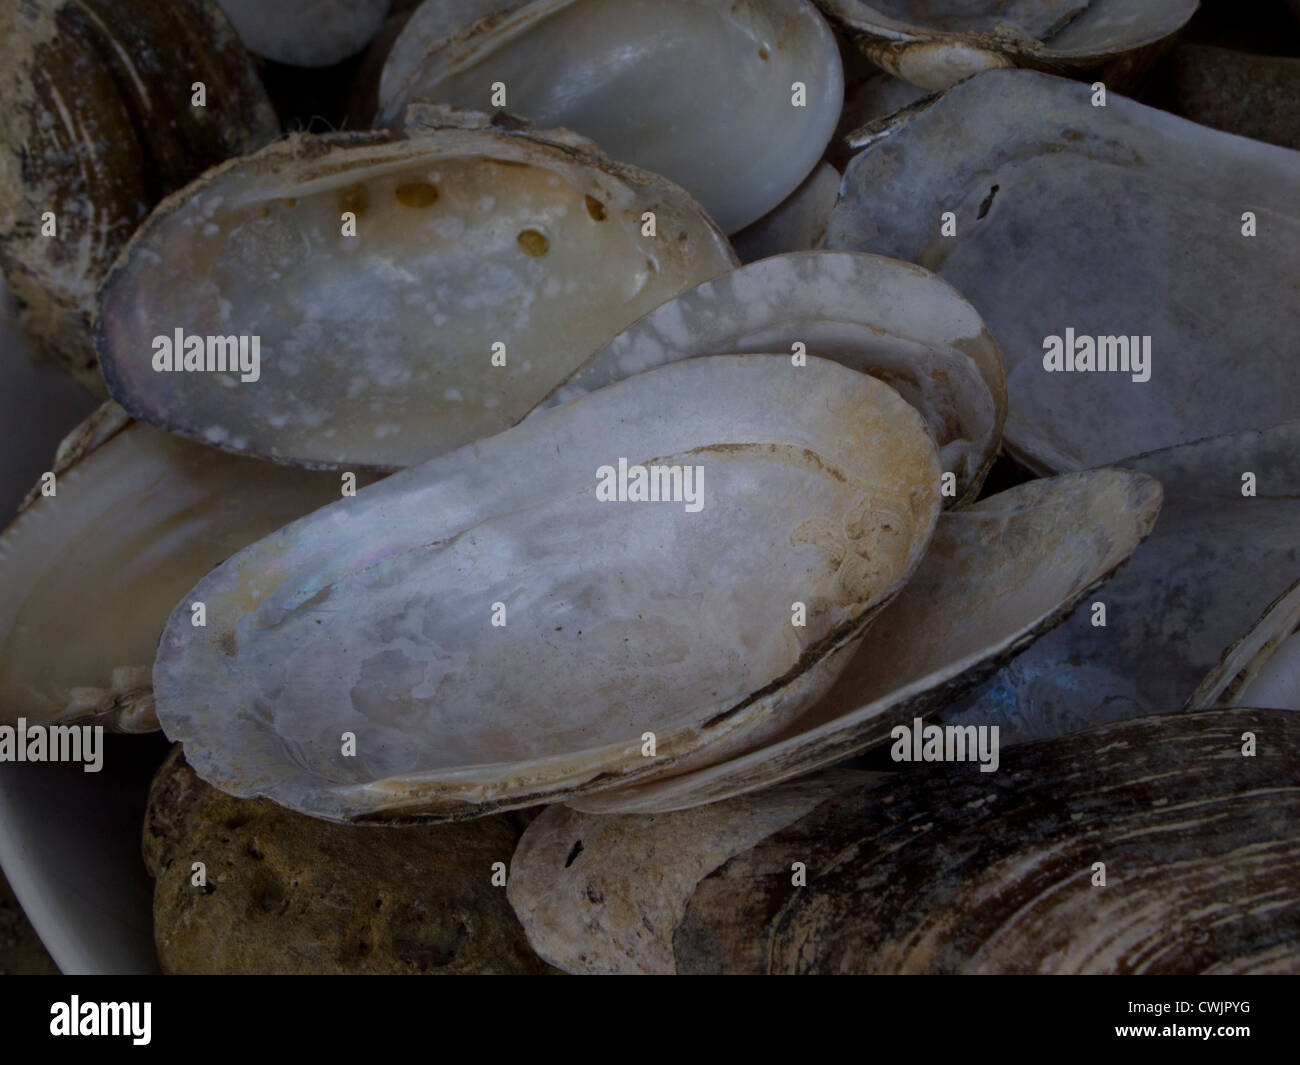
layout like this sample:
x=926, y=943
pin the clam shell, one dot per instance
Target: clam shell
x=700, y=91
x=97, y=128
x=892, y=320
x=378, y=350
x=942, y=869
x=288, y=894
x=138, y=516
x=576, y=880
x=374, y=616
x=998, y=877
x=1210, y=568
x=1121, y=191
x=997, y=575
x=937, y=45
x=306, y=33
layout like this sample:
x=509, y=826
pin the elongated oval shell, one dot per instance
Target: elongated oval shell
x=97, y=126
x=937, y=45
x=88, y=575
x=705, y=92
x=487, y=266
x=892, y=320
x=997, y=575
x=496, y=628
x=941, y=868
x=1072, y=224
x=289, y=894
x=1210, y=568
x=1001, y=875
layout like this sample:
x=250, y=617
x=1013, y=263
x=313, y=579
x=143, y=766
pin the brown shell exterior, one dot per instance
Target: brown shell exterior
x=945, y=869
x=98, y=127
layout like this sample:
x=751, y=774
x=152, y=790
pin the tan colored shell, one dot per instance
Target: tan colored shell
x=97, y=127
x=606, y=894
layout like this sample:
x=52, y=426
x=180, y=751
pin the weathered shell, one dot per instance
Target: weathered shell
x=797, y=223
x=375, y=616
x=383, y=349
x=606, y=894
x=701, y=91
x=89, y=574
x=1211, y=566
x=892, y=320
x=1075, y=217
x=997, y=575
x=937, y=45
x=1262, y=669
x=97, y=127
x=306, y=33
x=289, y=894
x=942, y=868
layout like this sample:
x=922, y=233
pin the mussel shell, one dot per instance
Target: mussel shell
x=940, y=868
x=1000, y=875
x=997, y=575
x=89, y=575
x=1075, y=217
x=701, y=91
x=576, y=880
x=97, y=128
x=375, y=616
x=379, y=350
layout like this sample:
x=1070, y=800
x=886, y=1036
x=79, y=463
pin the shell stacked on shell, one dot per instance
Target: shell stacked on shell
x=457, y=466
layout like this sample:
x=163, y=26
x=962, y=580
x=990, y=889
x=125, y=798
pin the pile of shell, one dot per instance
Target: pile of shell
x=458, y=466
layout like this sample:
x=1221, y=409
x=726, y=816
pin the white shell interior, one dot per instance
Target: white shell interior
x=700, y=91
x=375, y=615
x=89, y=575
x=380, y=349
x=997, y=573
x=1071, y=216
